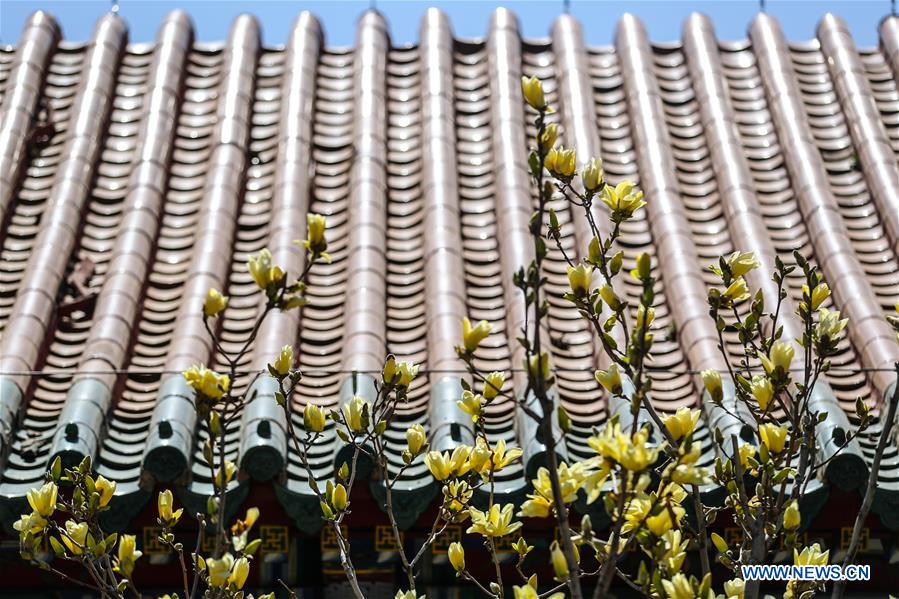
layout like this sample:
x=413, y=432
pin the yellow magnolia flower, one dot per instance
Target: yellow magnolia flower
x=818, y=295
x=415, y=438
x=262, y=271
x=580, y=277
x=339, y=497
x=457, y=556
x=690, y=456
x=219, y=570
x=389, y=372
x=610, y=379
x=623, y=200
x=548, y=139
x=164, y=503
x=526, y=591
x=685, y=474
x=43, y=500
x=644, y=267
x=746, y=451
x=679, y=587
x=762, y=390
x=408, y=371
x=644, y=317
x=444, y=465
x=439, y=465
x=781, y=356
x=662, y=522
x=456, y=495
x=792, y=517
x=33, y=523
x=498, y=459
x=127, y=554
x=609, y=296
x=459, y=459
x=536, y=506
x=711, y=380
x=207, y=382
x=284, y=361
x=353, y=412
x=241, y=526
x=472, y=336
x=313, y=418
x=631, y=452
x=591, y=174
x=470, y=404
x=252, y=516
x=479, y=458
x=224, y=475
x=557, y=557
x=561, y=162
x=741, y=263
x=75, y=537
x=675, y=550
x=638, y=457
x=214, y=303
x=635, y=513
x=733, y=589
x=315, y=233
x=830, y=325
x=106, y=489
x=532, y=90
x=539, y=503
x=239, y=572
x=493, y=384
x=737, y=290
x=811, y=556
x=773, y=436
x=496, y=522
x=407, y=595
x=399, y=373
x=681, y=423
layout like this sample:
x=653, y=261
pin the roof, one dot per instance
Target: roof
x=137, y=176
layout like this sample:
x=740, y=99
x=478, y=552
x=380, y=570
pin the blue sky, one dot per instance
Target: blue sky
x=663, y=19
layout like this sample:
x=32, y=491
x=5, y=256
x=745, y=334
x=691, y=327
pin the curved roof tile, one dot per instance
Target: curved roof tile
x=118, y=225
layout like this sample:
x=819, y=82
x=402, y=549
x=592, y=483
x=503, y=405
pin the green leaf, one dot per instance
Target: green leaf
x=594, y=253
x=564, y=420
x=534, y=163
x=615, y=263
x=253, y=546
x=706, y=585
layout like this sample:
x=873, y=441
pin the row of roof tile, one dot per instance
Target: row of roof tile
x=135, y=177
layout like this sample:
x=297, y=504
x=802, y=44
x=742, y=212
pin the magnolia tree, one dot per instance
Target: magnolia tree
x=644, y=469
